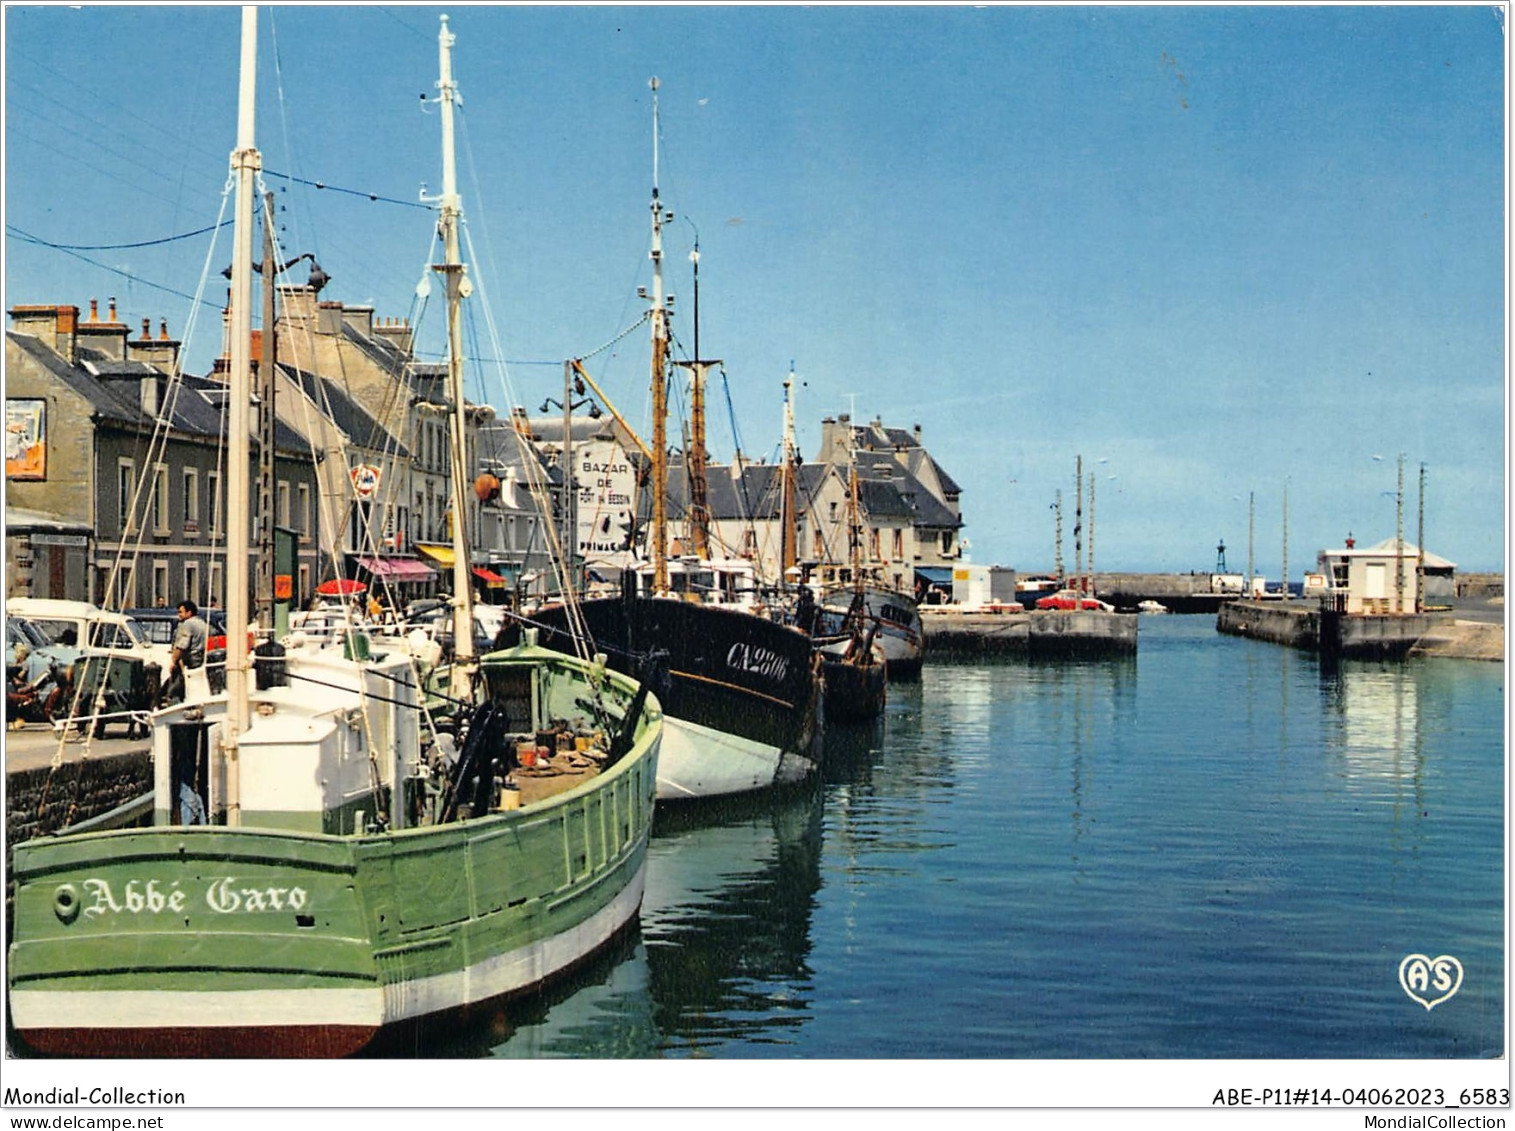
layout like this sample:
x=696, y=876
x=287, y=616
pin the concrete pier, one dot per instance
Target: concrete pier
x=1048, y=634
x=1304, y=624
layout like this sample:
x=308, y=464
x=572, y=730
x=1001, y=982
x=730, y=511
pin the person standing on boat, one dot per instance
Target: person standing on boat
x=186, y=673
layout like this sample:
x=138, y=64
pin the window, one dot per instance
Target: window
x=160, y=582
x=126, y=483
x=215, y=596
x=191, y=500
x=899, y=543
x=873, y=550
x=282, y=510
x=303, y=593
x=820, y=546
x=104, y=634
x=213, y=490
x=302, y=511
x=160, y=500
x=192, y=583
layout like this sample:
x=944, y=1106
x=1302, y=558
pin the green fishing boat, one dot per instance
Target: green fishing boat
x=349, y=841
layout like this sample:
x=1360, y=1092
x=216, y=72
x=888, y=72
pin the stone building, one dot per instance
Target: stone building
x=117, y=448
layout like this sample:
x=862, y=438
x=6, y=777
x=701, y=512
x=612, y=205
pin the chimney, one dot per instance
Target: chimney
x=297, y=308
x=107, y=337
x=360, y=318
x=151, y=395
x=329, y=318
x=917, y=431
x=54, y=325
x=398, y=331
x=162, y=352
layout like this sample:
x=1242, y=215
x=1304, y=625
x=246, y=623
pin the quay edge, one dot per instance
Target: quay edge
x=1086, y=633
x=1305, y=625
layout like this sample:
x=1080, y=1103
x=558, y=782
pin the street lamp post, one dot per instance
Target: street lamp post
x=571, y=386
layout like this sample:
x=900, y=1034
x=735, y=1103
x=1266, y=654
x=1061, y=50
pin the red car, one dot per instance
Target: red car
x=1071, y=599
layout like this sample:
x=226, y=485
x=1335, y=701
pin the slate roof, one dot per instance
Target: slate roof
x=427, y=379
x=347, y=414
x=110, y=385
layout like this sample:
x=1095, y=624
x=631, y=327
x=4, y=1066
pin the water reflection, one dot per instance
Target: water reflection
x=726, y=920
x=1377, y=710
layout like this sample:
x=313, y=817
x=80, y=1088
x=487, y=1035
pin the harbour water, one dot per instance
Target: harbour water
x=1218, y=848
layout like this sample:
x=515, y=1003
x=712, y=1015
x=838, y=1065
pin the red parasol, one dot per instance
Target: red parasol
x=340, y=587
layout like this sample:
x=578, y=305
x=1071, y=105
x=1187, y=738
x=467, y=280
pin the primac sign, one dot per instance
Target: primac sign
x=604, y=486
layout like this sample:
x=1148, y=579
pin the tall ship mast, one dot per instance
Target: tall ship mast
x=742, y=697
x=455, y=276
x=659, y=321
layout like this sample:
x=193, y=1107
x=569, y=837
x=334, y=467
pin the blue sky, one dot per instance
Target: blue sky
x=1217, y=251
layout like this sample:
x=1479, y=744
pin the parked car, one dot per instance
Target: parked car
x=161, y=624
x=120, y=671
x=43, y=653
x=82, y=625
x=39, y=673
x=1069, y=599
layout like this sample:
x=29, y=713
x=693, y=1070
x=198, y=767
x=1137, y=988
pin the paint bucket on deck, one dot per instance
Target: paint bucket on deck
x=510, y=797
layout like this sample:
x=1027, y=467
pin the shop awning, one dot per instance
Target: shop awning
x=442, y=555
x=934, y=575
x=397, y=569
x=489, y=577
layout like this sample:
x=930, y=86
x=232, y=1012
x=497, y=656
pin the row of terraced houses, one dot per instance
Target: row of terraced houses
x=115, y=470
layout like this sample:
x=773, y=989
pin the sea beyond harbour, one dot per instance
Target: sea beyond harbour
x=1217, y=848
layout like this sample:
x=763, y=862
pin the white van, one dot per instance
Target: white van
x=79, y=624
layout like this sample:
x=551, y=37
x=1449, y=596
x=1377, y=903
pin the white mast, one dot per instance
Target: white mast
x=245, y=163
x=789, y=551
x=458, y=288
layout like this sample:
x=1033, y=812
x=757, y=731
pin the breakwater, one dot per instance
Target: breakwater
x=1044, y=634
x=1304, y=624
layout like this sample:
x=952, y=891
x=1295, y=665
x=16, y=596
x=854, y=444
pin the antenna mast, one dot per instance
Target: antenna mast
x=1399, y=539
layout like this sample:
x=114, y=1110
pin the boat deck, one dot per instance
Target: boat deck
x=563, y=771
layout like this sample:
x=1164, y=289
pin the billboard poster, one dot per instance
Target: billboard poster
x=25, y=438
x=604, y=486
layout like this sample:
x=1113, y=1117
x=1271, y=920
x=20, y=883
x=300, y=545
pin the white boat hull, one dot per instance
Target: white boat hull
x=698, y=761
